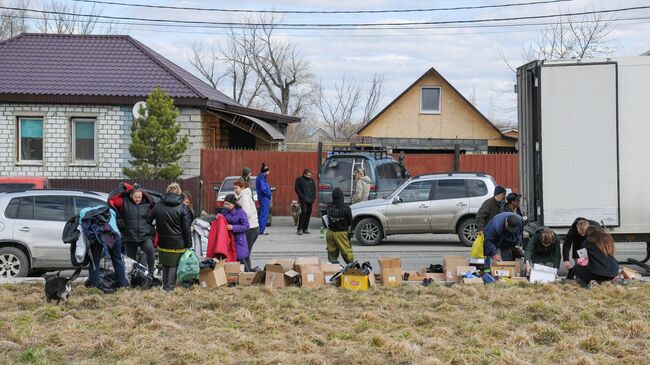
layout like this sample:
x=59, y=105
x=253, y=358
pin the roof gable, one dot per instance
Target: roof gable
x=414, y=84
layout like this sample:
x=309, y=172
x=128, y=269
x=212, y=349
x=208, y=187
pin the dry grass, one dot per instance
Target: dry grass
x=554, y=324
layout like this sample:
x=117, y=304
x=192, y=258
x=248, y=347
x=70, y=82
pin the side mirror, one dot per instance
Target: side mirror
x=397, y=200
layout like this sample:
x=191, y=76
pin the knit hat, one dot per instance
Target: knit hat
x=512, y=197
x=246, y=171
x=499, y=190
x=265, y=168
x=231, y=198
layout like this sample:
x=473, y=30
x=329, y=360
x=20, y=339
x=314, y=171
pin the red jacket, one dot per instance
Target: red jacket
x=221, y=242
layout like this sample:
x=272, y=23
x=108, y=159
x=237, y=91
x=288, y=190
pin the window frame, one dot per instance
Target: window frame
x=19, y=144
x=73, y=140
x=439, y=111
x=431, y=189
x=434, y=190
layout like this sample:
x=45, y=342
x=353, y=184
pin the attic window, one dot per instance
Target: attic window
x=430, y=100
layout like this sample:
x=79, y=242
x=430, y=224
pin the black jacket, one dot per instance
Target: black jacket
x=599, y=263
x=136, y=227
x=488, y=210
x=573, y=239
x=173, y=222
x=306, y=189
x=338, y=213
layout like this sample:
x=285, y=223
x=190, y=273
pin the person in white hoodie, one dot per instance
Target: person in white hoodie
x=361, y=186
x=245, y=200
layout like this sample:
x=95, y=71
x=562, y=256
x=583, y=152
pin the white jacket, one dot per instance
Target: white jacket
x=247, y=203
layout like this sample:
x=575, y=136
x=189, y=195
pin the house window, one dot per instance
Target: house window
x=30, y=139
x=430, y=100
x=83, y=139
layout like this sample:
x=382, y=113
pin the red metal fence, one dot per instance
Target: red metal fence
x=286, y=166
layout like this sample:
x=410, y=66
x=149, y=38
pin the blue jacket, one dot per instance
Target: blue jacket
x=263, y=188
x=497, y=236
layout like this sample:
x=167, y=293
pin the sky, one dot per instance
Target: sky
x=467, y=57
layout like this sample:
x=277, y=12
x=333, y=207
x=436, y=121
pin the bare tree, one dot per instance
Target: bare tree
x=570, y=37
x=373, y=97
x=337, y=111
x=72, y=18
x=13, y=22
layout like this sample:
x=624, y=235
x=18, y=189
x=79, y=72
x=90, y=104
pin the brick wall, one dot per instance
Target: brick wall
x=113, y=125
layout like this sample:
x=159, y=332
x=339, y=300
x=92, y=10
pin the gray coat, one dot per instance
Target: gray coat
x=361, y=189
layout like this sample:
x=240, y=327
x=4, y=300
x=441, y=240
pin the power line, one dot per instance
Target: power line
x=382, y=11
x=332, y=25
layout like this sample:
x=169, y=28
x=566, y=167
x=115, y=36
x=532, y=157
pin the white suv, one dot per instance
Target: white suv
x=31, y=226
x=436, y=203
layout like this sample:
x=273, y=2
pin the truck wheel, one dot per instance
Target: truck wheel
x=13, y=263
x=468, y=231
x=369, y=232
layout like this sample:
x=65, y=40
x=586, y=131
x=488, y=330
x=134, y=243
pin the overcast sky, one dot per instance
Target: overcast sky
x=468, y=58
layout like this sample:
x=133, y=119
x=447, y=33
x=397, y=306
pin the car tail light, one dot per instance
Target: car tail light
x=324, y=187
x=218, y=204
x=373, y=188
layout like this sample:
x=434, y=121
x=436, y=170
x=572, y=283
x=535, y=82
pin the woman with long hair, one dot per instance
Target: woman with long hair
x=600, y=265
x=245, y=200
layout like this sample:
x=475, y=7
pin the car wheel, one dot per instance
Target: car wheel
x=468, y=231
x=369, y=232
x=13, y=263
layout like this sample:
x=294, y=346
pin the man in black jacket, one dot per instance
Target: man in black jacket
x=490, y=208
x=306, y=190
x=339, y=221
x=573, y=242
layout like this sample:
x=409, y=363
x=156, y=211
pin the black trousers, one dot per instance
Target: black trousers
x=583, y=274
x=147, y=248
x=169, y=277
x=305, y=214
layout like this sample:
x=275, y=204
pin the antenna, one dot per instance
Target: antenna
x=136, y=109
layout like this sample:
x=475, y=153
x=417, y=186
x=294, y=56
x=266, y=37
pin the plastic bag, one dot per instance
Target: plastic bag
x=188, y=267
x=477, y=247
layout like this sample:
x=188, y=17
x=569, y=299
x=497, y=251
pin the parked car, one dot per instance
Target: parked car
x=228, y=187
x=436, y=203
x=31, y=225
x=10, y=183
x=384, y=172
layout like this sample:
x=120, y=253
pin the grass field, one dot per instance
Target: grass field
x=550, y=324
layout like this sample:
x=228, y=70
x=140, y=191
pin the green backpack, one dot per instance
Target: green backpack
x=188, y=267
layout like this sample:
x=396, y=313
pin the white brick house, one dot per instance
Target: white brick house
x=66, y=107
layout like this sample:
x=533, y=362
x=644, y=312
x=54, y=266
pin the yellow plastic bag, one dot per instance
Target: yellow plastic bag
x=477, y=247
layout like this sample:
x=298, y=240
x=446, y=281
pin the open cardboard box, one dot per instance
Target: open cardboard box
x=329, y=270
x=233, y=269
x=277, y=277
x=251, y=278
x=355, y=279
x=506, y=269
x=287, y=264
x=311, y=272
x=450, y=266
x=391, y=271
x=209, y=278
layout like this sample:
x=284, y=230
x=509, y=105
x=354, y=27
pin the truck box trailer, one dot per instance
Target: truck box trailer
x=584, y=126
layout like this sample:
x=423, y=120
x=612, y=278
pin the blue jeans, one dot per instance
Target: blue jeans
x=116, y=257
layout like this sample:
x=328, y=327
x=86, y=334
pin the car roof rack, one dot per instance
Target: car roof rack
x=56, y=189
x=477, y=174
x=377, y=151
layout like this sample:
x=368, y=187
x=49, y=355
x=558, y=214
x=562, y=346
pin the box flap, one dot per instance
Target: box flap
x=353, y=271
x=277, y=268
x=291, y=274
x=389, y=263
x=287, y=264
x=300, y=261
x=331, y=268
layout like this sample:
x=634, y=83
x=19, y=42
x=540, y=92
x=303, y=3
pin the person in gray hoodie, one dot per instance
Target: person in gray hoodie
x=361, y=186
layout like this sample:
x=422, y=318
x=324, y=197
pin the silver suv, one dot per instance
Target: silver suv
x=436, y=203
x=31, y=225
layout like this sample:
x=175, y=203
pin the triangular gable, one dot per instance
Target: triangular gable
x=436, y=73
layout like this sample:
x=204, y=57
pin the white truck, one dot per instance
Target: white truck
x=583, y=129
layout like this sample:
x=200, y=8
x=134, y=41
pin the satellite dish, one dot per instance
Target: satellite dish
x=136, y=109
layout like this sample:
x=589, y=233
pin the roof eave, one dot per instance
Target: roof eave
x=14, y=98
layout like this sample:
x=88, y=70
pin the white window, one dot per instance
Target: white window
x=83, y=139
x=30, y=140
x=430, y=99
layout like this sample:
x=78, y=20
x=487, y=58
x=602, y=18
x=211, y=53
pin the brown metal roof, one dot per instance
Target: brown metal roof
x=102, y=69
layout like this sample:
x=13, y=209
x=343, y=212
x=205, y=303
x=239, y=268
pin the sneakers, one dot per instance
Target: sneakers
x=427, y=282
x=300, y=233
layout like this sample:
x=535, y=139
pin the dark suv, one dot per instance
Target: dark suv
x=384, y=172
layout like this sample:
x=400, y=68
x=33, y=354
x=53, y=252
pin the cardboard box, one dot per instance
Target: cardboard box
x=287, y=264
x=330, y=270
x=506, y=268
x=305, y=261
x=450, y=265
x=232, y=271
x=213, y=278
x=436, y=276
x=355, y=279
x=277, y=277
x=390, y=271
x=415, y=275
x=629, y=274
x=251, y=278
x=472, y=281
x=389, y=263
x=311, y=276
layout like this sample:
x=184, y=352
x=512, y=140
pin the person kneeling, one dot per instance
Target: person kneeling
x=544, y=249
x=599, y=265
x=339, y=216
